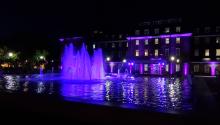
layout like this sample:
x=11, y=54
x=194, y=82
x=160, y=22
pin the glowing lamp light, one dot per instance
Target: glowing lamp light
x=10, y=54
x=172, y=58
x=41, y=57
x=178, y=60
x=108, y=59
x=132, y=64
x=124, y=60
x=163, y=64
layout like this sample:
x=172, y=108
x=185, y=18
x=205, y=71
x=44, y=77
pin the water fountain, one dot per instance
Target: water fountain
x=78, y=65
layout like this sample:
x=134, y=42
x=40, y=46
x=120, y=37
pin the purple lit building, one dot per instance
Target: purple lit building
x=159, y=47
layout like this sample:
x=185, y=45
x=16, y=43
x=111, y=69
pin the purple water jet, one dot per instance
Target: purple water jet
x=78, y=65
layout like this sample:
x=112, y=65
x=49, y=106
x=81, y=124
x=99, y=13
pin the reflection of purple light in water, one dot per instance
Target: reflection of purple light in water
x=186, y=68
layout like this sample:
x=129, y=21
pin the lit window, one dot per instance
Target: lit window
x=178, y=40
x=146, y=52
x=196, y=52
x=126, y=44
x=196, y=68
x=178, y=29
x=137, y=53
x=156, y=41
x=206, y=52
x=177, y=51
x=93, y=46
x=156, y=52
x=167, y=40
x=217, y=52
x=167, y=68
x=167, y=52
x=218, y=40
x=137, y=42
x=156, y=31
x=177, y=67
x=145, y=67
x=167, y=30
x=113, y=45
x=206, y=69
x=146, y=42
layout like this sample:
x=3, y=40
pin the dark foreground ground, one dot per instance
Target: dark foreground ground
x=40, y=109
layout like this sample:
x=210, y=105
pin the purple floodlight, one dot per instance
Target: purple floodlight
x=213, y=66
x=61, y=39
x=161, y=36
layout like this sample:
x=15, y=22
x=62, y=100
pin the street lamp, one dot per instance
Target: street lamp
x=10, y=54
x=41, y=57
x=108, y=58
x=124, y=61
x=172, y=58
x=177, y=60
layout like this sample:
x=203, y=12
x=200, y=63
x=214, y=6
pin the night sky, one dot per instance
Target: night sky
x=33, y=24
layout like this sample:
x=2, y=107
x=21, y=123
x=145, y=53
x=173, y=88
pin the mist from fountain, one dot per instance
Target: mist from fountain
x=78, y=65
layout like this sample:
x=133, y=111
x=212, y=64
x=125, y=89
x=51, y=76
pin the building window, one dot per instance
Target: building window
x=93, y=46
x=137, y=42
x=156, y=31
x=207, y=29
x=167, y=40
x=113, y=45
x=206, y=69
x=146, y=42
x=137, y=53
x=218, y=40
x=167, y=30
x=177, y=67
x=167, y=68
x=196, y=68
x=167, y=52
x=145, y=52
x=178, y=40
x=197, y=30
x=177, y=51
x=178, y=29
x=126, y=44
x=207, y=40
x=217, y=52
x=120, y=36
x=218, y=29
x=206, y=52
x=146, y=32
x=156, y=41
x=137, y=32
x=156, y=52
x=196, y=41
x=145, y=67
x=196, y=52
x=119, y=44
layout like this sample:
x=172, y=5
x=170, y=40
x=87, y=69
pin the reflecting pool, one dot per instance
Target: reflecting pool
x=160, y=94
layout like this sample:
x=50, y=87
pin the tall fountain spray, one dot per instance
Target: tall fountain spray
x=78, y=65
